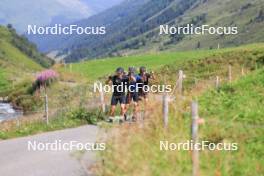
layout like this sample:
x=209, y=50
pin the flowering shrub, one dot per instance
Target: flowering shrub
x=45, y=78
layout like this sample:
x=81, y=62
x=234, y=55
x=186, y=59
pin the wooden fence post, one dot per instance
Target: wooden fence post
x=180, y=81
x=46, y=108
x=217, y=82
x=165, y=109
x=13, y=84
x=242, y=71
x=70, y=67
x=17, y=122
x=102, y=100
x=195, y=152
x=230, y=73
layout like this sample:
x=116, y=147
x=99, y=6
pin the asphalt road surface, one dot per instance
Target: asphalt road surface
x=17, y=160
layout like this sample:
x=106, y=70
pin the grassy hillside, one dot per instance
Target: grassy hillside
x=247, y=16
x=233, y=114
x=98, y=68
x=14, y=64
x=17, y=68
x=95, y=69
x=3, y=82
x=17, y=77
x=28, y=48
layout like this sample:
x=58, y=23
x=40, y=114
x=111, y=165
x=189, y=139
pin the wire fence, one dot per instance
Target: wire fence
x=214, y=81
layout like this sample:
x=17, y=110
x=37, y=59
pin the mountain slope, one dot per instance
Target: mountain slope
x=44, y=12
x=123, y=22
x=15, y=65
x=137, y=30
x=247, y=16
x=108, y=18
x=26, y=47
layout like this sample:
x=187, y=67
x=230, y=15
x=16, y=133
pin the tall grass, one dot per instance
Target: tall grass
x=233, y=114
x=132, y=150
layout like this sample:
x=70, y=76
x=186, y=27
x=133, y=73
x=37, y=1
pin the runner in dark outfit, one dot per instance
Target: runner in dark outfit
x=119, y=81
x=143, y=82
x=132, y=93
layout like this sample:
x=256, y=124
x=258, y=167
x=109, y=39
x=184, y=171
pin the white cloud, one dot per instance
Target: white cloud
x=76, y=5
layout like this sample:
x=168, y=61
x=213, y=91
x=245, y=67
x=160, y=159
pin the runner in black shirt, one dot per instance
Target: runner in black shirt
x=143, y=86
x=132, y=93
x=144, y=82
x=119, y=81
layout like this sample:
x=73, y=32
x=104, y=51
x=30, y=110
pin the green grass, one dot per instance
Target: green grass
x=3, y=82
x=14, y=65
x=95, y=69
x=40, y=127
x=17, y=72
x=15, y=58
x=69, y=119
x=235, y=113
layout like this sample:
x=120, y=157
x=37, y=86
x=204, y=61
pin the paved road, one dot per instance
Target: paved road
x=17, y=160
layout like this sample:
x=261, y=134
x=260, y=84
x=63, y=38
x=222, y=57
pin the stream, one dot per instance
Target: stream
x=8, y=112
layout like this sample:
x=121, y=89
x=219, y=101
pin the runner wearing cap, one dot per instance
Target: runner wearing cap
x=132, y=94
x=144, y=82
x=119, y=82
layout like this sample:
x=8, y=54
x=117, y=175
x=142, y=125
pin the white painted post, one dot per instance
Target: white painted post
x=165, y=109
x=46, y=108
x=102, y=100
x=230, y=73
x=195, y=152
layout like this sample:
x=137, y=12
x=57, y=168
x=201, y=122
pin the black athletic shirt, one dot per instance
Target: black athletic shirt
x=117, y=82
x=144, y=80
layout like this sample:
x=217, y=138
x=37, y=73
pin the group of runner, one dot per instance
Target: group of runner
x=132, y=90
